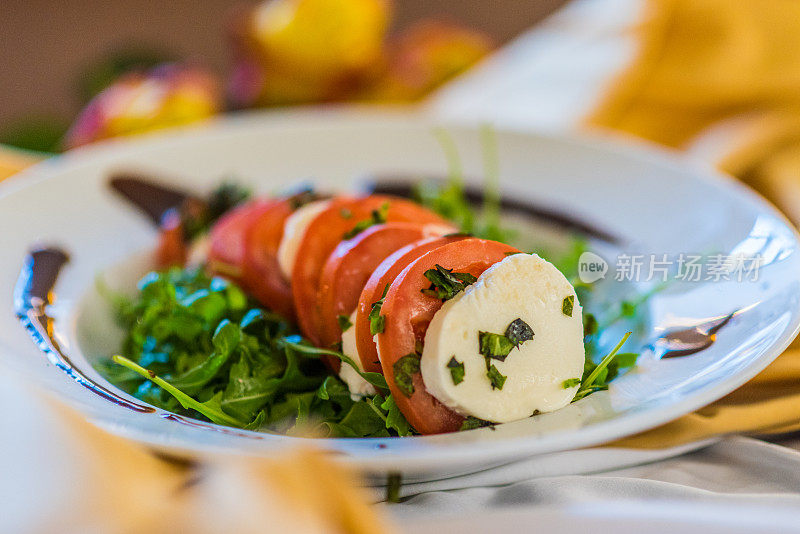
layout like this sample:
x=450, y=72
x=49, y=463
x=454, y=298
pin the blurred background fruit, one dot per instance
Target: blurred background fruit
x=265, y=53
x=137, y=102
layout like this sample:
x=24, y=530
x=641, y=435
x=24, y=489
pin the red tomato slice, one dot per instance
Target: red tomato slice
x=324, y=234
x=408, y=313
x=227, y=238
x=261, y=274
x=350, y=265
x=171, y=249
x=383, y=275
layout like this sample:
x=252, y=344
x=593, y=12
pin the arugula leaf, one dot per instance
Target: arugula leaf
x=361, y=420
x=226, y=340
x=376, y=379
x=395, y=420
x=210, y=408
x=445, y=284
x=596, y=377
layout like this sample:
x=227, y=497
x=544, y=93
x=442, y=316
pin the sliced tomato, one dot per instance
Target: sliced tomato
x=227, y=238
x=383, y=275
x=325, y=232
x=350, y=265
x=171, y=249
x=408, y=312
x=262, y=275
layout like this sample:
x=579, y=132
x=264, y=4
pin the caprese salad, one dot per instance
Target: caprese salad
x=351, y=316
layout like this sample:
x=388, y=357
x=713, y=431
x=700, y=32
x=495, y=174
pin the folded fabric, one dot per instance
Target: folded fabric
x=700, y=61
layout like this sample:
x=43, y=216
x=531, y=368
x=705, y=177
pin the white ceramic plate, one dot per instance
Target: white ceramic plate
x=654, y=203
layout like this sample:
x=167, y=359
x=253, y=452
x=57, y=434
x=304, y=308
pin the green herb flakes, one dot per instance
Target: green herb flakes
x=456, y=370
x=377, y=216
x=471, y=423
x=570, y=383
x=404, y=370
x=445, y=284
x=344, y=322
x=518, y=332
x=495, y=377
x=377, y=322
x=496, y=346
x=568, y=305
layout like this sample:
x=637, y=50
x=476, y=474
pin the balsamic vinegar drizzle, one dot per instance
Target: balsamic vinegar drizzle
x=401, y=187
x=690, y=340
x=34, y=289
x=154, y=198
x=32, y=295
x=150, y=196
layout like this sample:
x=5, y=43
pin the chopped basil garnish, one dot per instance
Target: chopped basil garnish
x=344, y=322
x=301, y=198
x=345, y=213
x=377, y=216
x=495, y=377
x=456, y=370
x=518, y=332
x=471, y=423
x=495, y=346
x=404, y=370
x=445, y=284
x=377, y=322
x=570, y=383
x=498, y=346
x=568, y=305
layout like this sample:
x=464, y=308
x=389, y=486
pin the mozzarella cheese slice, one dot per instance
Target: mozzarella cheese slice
x=293, y=231
x=522, y=286
x=355, y=382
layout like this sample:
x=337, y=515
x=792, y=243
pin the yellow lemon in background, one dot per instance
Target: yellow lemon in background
x=321, y=39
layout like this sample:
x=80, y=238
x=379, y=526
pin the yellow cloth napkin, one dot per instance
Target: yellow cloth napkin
x=13, y=160
x=721, y=78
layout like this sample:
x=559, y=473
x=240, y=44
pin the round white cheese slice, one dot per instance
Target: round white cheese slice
x=522, y=286
x=293, y=231
x=355, y=382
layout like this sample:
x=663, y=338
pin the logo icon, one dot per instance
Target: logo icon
x=591, y=268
